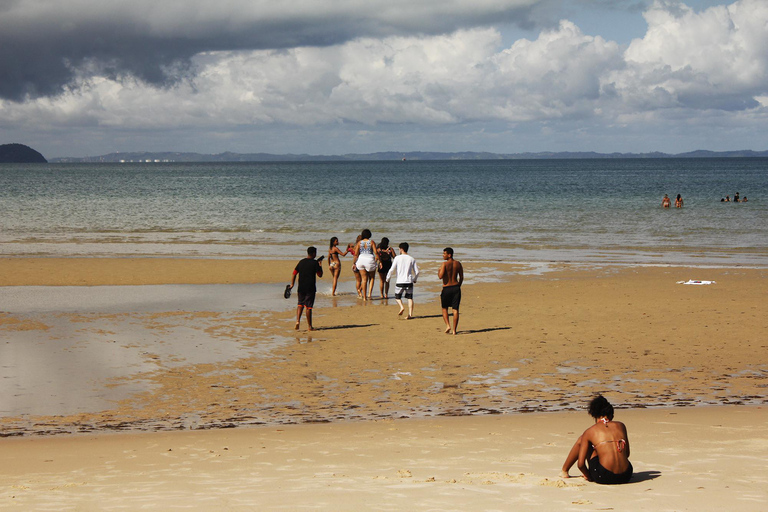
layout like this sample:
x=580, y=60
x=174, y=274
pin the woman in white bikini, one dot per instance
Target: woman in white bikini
x=602, y=451
x=334, y=263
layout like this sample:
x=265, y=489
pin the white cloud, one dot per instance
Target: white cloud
x=717, y=58
x=692, y=70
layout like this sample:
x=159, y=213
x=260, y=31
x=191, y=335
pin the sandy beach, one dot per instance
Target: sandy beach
x=372, y=411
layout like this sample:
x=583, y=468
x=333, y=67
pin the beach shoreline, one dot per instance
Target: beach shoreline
x=372, y=411
x=528, y=342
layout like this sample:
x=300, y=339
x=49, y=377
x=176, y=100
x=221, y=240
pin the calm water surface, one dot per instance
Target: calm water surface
x=521, y=210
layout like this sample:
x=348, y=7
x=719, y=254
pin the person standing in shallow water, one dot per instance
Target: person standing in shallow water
x=679, y=201
x=334, y=263
x=367, y=262
x=385, y=263
x=452, y=274
x=602, y=452
x=665, y=202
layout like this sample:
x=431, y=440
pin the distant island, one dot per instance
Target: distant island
x=391, y=155
x=20, y=154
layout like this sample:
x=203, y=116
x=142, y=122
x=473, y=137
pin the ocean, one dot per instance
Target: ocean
x=603, y=210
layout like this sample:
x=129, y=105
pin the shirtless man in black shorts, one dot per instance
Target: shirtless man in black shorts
x=452, y=274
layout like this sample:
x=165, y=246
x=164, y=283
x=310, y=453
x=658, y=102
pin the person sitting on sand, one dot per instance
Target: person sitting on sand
x=602, y=451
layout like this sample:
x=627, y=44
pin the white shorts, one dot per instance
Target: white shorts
x=366, y=262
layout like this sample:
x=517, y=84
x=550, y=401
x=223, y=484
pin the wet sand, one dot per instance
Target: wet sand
x=527, y=343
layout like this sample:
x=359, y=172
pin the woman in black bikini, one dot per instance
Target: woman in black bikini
x=602, y=451
x=386, y=254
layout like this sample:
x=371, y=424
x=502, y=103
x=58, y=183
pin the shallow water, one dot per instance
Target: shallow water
x=534, y=210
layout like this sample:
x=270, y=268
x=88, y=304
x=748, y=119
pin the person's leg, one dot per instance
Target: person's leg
x=382, y=284
x=455, y=320
x=402, y=308
x=364, y=283
x=299, y=309
x=336, y=272
x=410, y=309
x=359, y=283
x=309, y=319
x=571, y=459
x=447, y=322
x=371, y=282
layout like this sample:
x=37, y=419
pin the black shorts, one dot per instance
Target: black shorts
x=404, y=288
x=450, y=297
x=307, y=299
x=600, y=475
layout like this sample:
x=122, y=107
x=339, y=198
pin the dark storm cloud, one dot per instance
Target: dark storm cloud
x=45, y=45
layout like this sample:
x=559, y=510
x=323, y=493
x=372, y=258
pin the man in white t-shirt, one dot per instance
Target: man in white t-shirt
x=407, y=272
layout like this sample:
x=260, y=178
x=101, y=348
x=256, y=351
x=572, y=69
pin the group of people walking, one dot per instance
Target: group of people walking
x=601, y=453
x=370, y=259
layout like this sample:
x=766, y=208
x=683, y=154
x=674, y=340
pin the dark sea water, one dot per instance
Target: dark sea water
x=519, y=210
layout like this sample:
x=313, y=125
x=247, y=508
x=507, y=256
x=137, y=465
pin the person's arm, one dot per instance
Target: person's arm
x=441, y=270
x=392, y=269
x=293, y=277
x=459, y=273
x=376, y=257
x=626, y=438
x=319, y=269
x=415, y=271
x=357, y=253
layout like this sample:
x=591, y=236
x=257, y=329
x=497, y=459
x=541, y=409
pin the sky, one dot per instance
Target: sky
x=91, y=77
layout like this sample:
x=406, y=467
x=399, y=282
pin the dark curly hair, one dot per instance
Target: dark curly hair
x=600, y=407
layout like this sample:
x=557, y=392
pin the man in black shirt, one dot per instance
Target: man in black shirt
x=308, y=270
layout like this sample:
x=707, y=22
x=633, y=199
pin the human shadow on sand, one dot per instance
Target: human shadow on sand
x=489, y=329
x=644, y=476
x=347, y=326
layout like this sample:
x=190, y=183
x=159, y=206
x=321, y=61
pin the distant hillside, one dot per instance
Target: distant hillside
x=20, y=154
x=392, y=155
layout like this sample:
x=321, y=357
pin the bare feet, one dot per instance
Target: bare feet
x=448, y=330
x=401, y=312
x=297, y=326
x=311, y=328
x=409, y=317
x=564, y=474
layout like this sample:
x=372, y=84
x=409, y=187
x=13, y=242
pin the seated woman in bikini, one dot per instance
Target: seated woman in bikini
x=602, y=451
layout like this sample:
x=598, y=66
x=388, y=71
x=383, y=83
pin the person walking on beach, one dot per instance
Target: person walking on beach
x=385, y=263
x=602, y=451
x=452, y=274
x=407, y=272
x=334, y=263
x=355, y=271
x=366, y=261
x=308, y=270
